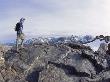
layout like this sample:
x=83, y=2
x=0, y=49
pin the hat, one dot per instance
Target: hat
x=22, y=19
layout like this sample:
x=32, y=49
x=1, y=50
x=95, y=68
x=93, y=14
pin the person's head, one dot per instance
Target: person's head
x=22, y=20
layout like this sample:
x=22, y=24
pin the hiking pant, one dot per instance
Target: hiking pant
x=19, y=40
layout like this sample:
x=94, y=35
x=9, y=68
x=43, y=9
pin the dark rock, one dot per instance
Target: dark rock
x=33, y=77
x=70, y=70
x=78, y=46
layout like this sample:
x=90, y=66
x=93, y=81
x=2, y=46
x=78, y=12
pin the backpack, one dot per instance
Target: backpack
x=17, y=27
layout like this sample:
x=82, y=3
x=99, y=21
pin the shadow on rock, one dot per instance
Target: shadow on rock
x=97, y=66
x=69, y=70
x=33, y=77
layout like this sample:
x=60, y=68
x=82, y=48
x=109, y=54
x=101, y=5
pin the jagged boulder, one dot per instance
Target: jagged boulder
x=102, y=49
x=98, y=61
x=102, y=55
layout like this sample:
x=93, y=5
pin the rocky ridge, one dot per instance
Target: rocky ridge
x=69, y=62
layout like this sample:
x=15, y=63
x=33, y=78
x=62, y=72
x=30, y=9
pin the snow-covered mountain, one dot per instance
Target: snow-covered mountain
x=62, y=40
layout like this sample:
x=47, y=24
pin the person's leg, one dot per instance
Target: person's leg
x=17, y=40
x=22, y=40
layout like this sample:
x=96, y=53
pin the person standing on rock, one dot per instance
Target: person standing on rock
x=20, y=34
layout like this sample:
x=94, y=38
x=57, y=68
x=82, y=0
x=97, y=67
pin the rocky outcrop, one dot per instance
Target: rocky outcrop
x=103, y=49
x=50, y=63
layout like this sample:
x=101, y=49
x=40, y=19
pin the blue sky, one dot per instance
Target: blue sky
x=46, y=17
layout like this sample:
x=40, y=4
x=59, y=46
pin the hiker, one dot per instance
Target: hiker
x=20, y=34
